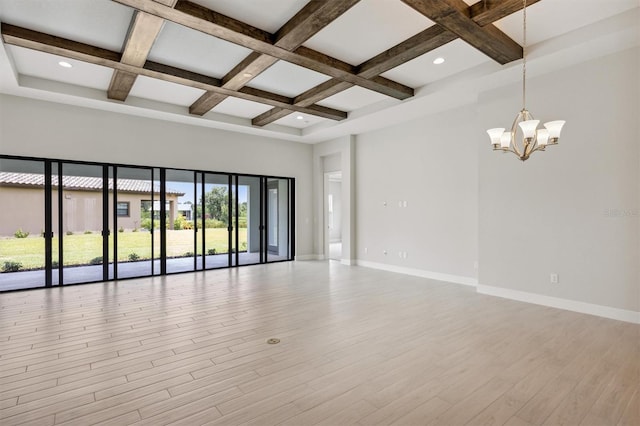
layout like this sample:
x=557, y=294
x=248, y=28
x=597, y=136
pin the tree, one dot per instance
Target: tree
x=216, y=203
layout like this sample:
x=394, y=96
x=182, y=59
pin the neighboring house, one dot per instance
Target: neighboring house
x=22, y=198
x=186, y=210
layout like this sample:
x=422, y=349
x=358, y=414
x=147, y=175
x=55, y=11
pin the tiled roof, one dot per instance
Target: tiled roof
x=81, y=183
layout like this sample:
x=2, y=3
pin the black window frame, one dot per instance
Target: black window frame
x=106, y=232
x=128, y=203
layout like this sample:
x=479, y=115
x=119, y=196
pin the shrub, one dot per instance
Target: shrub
x=211, y=251
x=243, y=246
x=69, y=233
x=214, y=223
x=146, y=224
x=87, y=232
x=133, y=257
x=188, y=254
x=21, y=234
x=54, y=264
x=96, y=261
x=10, y=266
x=121, y=229
x=135, y=230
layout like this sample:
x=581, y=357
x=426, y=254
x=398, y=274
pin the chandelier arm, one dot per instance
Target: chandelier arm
x=513, y=152
x=538, y=148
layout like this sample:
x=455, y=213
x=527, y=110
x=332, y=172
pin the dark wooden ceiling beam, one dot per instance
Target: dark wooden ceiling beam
x=143, y=31
x=314, y=16
x=47, y=43
x=482, y=13
x=454, y=15
x=209, y=22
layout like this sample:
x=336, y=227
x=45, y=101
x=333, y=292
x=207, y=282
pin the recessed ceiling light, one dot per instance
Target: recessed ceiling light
x=438, y=61
x=299, y=117
x=65, y=64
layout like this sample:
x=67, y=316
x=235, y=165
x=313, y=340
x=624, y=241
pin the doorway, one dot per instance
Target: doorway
x=333, y=214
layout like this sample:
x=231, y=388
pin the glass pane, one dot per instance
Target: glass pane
x=180, y=190
x=278, y=219
x=81, y=223
x=248, y=220
x=133, y=216
x=22, y=250
x=216, y=219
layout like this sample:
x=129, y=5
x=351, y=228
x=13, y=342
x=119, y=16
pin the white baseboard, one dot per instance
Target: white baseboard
x=566, y=304
x=347, y=262
x=457, y=279
x=309, y=257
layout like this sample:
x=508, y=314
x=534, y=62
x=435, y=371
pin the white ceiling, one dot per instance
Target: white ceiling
x=367, y=29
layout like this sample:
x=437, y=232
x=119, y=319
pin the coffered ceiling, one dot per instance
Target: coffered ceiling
x=295, y=69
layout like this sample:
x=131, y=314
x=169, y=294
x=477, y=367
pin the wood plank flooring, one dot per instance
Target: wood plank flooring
x=358, y=346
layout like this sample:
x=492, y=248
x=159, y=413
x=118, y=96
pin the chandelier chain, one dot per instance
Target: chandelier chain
x=524, y=54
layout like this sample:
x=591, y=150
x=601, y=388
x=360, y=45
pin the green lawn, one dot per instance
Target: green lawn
x=81, y=248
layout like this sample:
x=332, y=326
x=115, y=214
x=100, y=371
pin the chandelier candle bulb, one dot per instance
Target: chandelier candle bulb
x=542, y=137
x=495, y=135
x=554, y=128
x=505, y=140
x=529, y=128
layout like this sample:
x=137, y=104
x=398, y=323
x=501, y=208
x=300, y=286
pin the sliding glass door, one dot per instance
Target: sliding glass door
x=248, y=220
x=70, y=222
x=278, y=219
x=22, y=224
x=80, y=228
x=214, y=220
x=134, y=193
x=181, y=245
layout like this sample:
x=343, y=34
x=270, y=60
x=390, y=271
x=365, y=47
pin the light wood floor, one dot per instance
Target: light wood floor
x=358, y=346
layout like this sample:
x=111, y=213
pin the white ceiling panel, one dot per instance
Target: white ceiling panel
x=596, y=27
x=547, y=19
x=458, y=56
x=184, y=48
x=353, y=98
x=44, y=65
x=241, y=107
x=268, y=15
x=368, y=28
x=164, y=91
x=101, y=23
x=287, y=79
x=293, y=120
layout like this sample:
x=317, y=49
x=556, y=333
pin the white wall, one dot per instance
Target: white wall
x=574, y=209
x=431, y=164
x=42, y=129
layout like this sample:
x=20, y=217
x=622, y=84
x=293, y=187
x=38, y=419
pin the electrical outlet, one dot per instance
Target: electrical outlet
x=384, y=252
x=554, y=278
